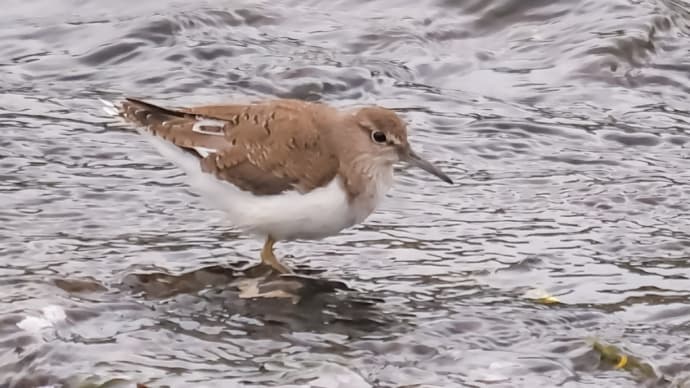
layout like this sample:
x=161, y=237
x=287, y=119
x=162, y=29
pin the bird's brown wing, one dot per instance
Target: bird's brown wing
x=264, y=148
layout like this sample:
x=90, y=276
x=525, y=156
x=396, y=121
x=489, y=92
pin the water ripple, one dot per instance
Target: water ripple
x=564, y=124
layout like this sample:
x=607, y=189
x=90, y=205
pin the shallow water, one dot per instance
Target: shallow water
x=564, y=123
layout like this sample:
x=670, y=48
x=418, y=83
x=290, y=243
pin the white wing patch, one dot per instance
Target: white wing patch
x=204, y=152
x=209, y=127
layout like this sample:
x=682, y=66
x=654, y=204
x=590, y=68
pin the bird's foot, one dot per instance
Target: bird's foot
x=268, y=258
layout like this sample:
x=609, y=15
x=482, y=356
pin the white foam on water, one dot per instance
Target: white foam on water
x=51, y=316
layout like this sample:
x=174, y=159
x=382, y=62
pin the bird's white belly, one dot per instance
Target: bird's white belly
x=319, y=213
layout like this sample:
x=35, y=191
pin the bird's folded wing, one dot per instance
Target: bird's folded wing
x=265, y=148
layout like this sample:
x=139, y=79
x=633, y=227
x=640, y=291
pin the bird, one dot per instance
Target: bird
x=281, y=169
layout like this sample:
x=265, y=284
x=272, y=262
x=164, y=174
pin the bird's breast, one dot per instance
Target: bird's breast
x=379, y=180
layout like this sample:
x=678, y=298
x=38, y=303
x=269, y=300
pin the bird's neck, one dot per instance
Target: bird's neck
x=366, y=178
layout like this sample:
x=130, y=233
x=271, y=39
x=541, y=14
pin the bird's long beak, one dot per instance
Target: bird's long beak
x=415, y=160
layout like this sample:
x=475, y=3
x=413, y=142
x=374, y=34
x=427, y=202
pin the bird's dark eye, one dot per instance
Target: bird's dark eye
x=378, y=137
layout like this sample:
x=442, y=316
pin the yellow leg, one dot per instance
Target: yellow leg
x=268, y=258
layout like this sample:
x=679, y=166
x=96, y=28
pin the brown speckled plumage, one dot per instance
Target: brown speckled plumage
x=274, y=146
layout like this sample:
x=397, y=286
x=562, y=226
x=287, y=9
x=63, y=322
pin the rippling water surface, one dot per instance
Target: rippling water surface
x=564, y=123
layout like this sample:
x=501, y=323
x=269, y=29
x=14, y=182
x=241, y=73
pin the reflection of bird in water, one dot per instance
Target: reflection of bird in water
x=250, y=282
x=226, y=288
x=282, y=169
